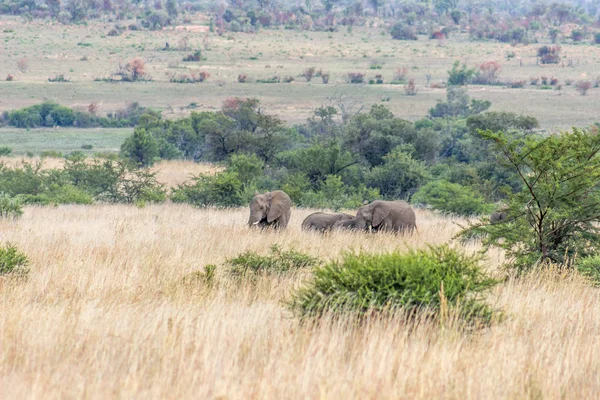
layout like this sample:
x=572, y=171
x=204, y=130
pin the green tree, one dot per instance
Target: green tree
x=172, y=9
x=555, y=216
x=457, y=104
x=460, y=75
x=399, y=176
x=452, y=198
x=141, y=147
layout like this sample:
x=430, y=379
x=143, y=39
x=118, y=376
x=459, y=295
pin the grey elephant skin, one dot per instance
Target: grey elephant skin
x=323, y=222
x=348, y=224
x=270, y=210
x=387, y=216
x=498, y=216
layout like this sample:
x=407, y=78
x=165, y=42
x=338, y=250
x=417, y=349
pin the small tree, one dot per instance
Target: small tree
x=23, y=65
x=411, y=88
x=141, y=148
x=403, y=32
x=549, y=54
x=460, y=76
x=556, y=213
x=583, y=87
x=309, y=73
x=132, y=71
x=487, y=73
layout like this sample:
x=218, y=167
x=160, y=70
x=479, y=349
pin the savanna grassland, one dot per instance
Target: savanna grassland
x=111, y=309
x=116, y=303
x=84, y=54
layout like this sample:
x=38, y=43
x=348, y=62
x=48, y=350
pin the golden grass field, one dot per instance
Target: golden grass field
x=168, y=172
x=106, y=313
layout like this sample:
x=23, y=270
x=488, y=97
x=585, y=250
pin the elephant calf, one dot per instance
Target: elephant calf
x=349, y=224
x=497, y=216
x=272, y=209
x=323, y=222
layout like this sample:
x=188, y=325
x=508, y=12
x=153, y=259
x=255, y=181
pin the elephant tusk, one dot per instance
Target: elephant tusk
x=256, y=223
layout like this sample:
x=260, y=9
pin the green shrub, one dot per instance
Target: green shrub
x=399, y=176
x=400, y=31
x=452, y=198
x=277, y=262
x=247, y=167
x=12, y=261
x=220, y=190
x=10, y=207
x=590, y=268
x=418, y=281
x=5, y=151
x=141, y=148
x=460, y=76
x=51, y=154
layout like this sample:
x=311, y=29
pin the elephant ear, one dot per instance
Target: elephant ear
x=278, y=206
x=380, y=214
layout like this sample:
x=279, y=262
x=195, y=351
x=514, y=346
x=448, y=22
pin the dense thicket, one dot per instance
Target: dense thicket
x=335, y=162
x=49, y=114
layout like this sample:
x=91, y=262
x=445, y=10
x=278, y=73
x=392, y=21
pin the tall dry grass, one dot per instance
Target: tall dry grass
x=168, y=172
x=106, y=313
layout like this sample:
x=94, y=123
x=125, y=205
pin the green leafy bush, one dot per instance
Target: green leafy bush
x=460, y=76
x=10, y=207
x=452, y=198
x=49, y=114
x=141, y=148
x=5, y=151
x=277, y=262
x=419, y=281
x=400, y=31
x=12, y=261
x=399, y=176
x=219, y=190
x=590, y=268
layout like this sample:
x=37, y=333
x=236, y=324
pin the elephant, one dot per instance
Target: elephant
x=498, y=216
x=323, y=222
x=271, y=209
x=387, y=216
x=349, y=224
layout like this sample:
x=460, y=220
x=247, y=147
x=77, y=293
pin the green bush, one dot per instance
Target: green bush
x=418, y=281
x=452, y=198
x=10, y=207
x=220, y=190
x=12, y=261
x=399, y=176
x=590, y=268
x=277, y=262
x=5, y=151
x=246, y=167
x=141, y=148
x=400, y=31
x=460, y=76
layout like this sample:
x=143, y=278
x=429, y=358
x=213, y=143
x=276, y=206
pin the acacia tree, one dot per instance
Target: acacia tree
x=554, y=217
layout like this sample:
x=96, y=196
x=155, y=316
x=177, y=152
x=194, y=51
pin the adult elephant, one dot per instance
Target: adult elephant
x=323, y=222
x=271, y=209
x=387, y=216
